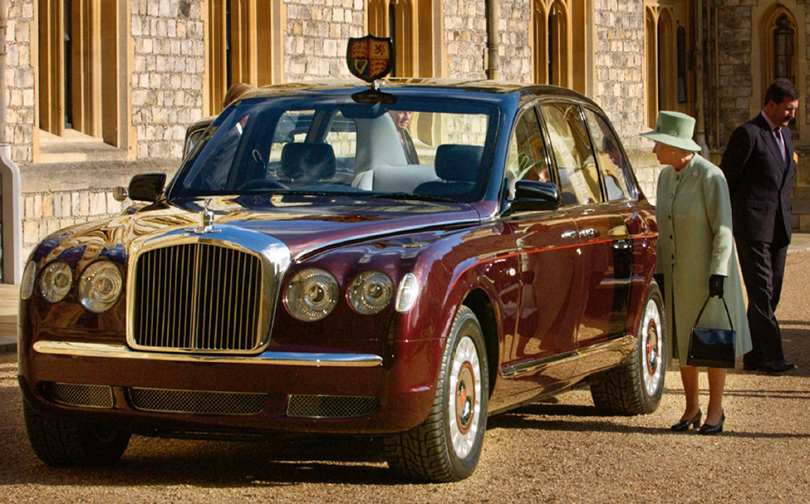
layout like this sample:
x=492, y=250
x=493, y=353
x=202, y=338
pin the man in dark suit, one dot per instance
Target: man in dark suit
x=402, y=119
x=759, y=165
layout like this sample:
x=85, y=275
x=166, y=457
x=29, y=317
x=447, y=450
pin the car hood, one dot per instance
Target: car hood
x=304, y=223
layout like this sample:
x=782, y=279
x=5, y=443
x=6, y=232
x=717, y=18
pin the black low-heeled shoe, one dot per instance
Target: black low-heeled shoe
x=707, y=429
x=684, y=425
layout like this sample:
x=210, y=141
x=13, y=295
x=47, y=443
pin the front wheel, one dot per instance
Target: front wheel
x=636, y=386
x=447, y=445
x=68, y=443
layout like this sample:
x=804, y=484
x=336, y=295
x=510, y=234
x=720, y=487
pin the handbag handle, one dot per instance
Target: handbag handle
x=730, y=323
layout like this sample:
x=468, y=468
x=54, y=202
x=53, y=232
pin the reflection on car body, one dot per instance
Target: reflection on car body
x=298, y=274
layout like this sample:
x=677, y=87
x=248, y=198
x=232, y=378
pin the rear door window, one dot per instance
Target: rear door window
x=610, y=158
x=571, y=148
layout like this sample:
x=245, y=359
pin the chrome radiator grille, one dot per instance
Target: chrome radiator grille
x=197, y=297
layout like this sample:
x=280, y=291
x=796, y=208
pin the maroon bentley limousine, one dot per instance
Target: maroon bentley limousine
x=397, y=261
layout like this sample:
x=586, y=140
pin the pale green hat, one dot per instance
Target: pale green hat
x=675, y=129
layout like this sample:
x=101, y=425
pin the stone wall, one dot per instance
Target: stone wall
x=169, y=63
x=465, y=37
x=316, y=37
x=736, y=86
x=514, y=46
x=19, y=93
x=55, y=196
x=618, y=60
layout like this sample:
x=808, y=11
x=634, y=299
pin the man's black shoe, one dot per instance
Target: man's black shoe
x=752, y=367
x=778, y=366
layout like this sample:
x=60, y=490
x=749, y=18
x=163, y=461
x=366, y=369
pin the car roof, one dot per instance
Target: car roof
x=404, y=85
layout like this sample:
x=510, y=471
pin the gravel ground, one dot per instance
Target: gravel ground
x=554, y=451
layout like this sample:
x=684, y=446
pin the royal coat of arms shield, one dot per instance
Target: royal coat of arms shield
x=370, y=58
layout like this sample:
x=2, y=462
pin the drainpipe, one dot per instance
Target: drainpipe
x=491, y=63
x=699, y=96
x=9, y=179
x=3, y=26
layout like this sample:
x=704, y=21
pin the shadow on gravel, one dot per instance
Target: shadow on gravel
x=236, y=464
x=206, y=464
x=796, y=346
x=547, y=417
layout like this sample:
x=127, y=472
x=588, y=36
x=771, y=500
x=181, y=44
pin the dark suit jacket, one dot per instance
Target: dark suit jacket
x=758, y=183
x=407, y=144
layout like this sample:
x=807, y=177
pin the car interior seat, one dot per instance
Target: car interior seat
x=307, y=161
x=457, y=166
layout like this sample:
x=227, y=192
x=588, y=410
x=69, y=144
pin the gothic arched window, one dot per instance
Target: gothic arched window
x=558, y=46
x=783, y=53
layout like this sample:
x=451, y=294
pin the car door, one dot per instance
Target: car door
x=547, y=245
x=626, y=224
x=603, y=250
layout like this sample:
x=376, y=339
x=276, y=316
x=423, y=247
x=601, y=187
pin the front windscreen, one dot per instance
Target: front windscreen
x=419, y=148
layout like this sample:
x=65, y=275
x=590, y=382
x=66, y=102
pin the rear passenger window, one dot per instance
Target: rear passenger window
x=571, y=148
x=616, y=173
x=527, y=152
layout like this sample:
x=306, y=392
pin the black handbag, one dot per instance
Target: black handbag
x=711, y=347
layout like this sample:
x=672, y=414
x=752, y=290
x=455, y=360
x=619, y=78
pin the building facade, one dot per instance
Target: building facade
x=96, y=91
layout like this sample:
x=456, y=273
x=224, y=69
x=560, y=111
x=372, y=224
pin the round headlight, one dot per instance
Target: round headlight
x=370, y=292
x=99, y=286
x=311, y=295
x=28, y=280
x=407, y=293
x=55, y=281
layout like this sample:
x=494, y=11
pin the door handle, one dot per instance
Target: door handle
x=569, y=234
x=621, y=245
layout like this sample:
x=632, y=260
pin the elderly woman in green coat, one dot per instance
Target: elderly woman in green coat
x=696, y=259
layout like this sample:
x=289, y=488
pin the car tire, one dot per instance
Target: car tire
x=447, y=445
x=637, y=385
x=72, y=444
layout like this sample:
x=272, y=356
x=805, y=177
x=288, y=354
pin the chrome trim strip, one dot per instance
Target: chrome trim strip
x=113, y=351
x=609, y=346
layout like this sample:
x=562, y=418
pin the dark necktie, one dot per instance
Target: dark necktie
x=781, y=143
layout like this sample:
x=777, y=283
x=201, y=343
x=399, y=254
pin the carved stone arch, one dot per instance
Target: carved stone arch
x=667, y=62
x=243, y=43
x=405, y=47
x=376, y=18
x=538, y=37
x=412, y=25
x=650, y=65
x=559, y=44
x=581, y=49
x=764, y=17
x=778, y=45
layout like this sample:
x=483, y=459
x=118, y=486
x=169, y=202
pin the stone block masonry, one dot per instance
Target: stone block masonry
x=167, y=82
x=55, y=196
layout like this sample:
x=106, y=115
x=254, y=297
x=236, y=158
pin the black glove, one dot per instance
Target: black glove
x=716, y=285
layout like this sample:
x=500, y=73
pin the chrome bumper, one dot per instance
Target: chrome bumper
x=113, y=351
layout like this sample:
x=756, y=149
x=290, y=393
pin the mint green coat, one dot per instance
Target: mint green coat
x=695, y=241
